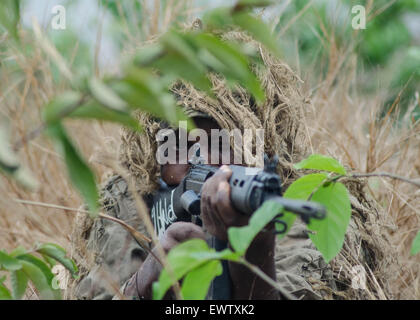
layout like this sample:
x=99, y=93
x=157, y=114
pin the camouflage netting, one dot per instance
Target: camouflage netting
x=281, y=117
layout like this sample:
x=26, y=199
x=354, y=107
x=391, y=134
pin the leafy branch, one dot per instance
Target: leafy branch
x=25, y=266
x=319, y=162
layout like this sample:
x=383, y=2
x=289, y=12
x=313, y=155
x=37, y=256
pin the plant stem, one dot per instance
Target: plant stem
x=384, y=174
x=266, y=278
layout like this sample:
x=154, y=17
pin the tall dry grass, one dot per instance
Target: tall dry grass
x=341, y=122
x=347, y=124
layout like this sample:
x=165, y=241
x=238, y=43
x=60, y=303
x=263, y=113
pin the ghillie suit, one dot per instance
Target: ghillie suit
x=108, y=257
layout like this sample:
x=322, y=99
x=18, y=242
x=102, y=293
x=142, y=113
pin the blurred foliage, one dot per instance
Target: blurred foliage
x=73, y=49
x=35, y=266
x=386, y=44
x=177, y=55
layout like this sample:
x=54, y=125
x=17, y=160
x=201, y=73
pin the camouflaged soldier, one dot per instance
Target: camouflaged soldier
x=115, y=260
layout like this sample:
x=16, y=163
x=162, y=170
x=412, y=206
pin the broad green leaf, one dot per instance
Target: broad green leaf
x=148, y=54
x=19, y=282
x=61, y=106
x=217, y=19
x=10, y=16
x=4, y=293
x=105, y=95
x=186, y=257
x=197, y=282
x=181, y=261
x=17, y=252
x=181, y=61
x=25, y=178
x=39, y=280
x=221, y=255
x=142, y=90
x=226, y=59
x=9, y=263
x=181, y=68
x=64, y=105
x=241, y=238
x=51, y=262
x=176, y=42
x=255, y=3
x=45, y=269
x=320, y=162
x=415, y=247
x=93, y=110
x=80, y=174
x=8, y=159
x=9, y=164
x=330, y=232
x=58, y=253
x=258, y=29
x=40, y=264
x=301, y=189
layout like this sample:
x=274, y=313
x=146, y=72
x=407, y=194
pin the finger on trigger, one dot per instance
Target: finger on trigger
x=226, y=171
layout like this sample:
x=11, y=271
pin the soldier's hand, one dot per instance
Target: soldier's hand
x=178, y=232
x=217, y=211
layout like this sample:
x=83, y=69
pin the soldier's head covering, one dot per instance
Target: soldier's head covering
x=279, y=116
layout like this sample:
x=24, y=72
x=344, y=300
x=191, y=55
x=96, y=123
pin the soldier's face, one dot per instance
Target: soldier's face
x=173, y=174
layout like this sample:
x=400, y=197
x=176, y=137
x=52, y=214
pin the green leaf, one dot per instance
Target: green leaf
x=105, y=95
x=197, y=282
x=221, y=255
x=330, y=232
x=217, y=19
x=64, y=106
x=93, y=110
x=58, y=253
x=415, y=247
x=51, y=262
x=258, y=29
x=61, y=106
x=19, y=282
x=10, y=16
x=301, y=189
x=181, y=60
x=4, y=293
x=8, y=159
x=181, y=261
x=186, y=257
x=25, y=178
x=9, y=163
x=241, y=238
x=39, y=263
x=46, y=271
x=39, y=280
x=142, y=90
x=80, y=174
x=9, y=263
x=226, y=59
x=254, y=3
x=17, y=252
x=320, y=162
x=148, y=54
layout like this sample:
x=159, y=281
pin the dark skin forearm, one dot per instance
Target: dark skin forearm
x=140, y=285
x=245, y=283
x=218, y=216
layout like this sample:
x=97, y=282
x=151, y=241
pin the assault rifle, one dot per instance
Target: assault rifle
x=250, y=188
